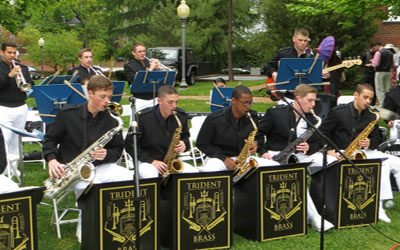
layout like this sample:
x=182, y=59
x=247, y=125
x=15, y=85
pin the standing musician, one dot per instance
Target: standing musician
x=281, y=125
x=77, y=127
x=225, y=132
x=6, y=184
x=85, y=69
x=13, y=110
x=345, y=122
x=139, y=62
x=157, y=127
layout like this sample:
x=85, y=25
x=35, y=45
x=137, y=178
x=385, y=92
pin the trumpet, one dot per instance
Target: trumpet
x=21, y=82
x=97, y=72
x=165, y=68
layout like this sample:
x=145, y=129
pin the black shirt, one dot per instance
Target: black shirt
x=287, y=52
x=279, y=125
x=3, y=156
x=221, y=135
x=134, y=66
x=155, y=134
x=83, y=73
x=343, y=124
x=392, y=99
x=74, y=129
x=386, y=62
x=10, y=94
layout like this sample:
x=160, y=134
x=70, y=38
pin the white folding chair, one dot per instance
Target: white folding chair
x=61, y=209
x=33, y=116
x=194, y=154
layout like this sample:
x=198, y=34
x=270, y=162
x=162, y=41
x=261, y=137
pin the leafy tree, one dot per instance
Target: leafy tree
x=12, y=14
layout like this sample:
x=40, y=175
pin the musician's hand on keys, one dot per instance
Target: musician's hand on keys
x=266, y=156
x=229, y=163
x=333, y=153
x=391, y=124
x=15, y=71
x=274, y=75
x=99, y=154
x=253, y=148
x=364, y=143
x=161, y=166
x=56, y=169
x=154, y=64
x=303, y=147
x=180, y=148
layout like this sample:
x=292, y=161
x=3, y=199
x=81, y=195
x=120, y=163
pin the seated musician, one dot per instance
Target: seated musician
x=345, y=122
x=157, y=128
x=139, y=62
x=225, y=132
x=392, y=101
x=282, y=126
x=78, y=127
x=6, y=184
x=220, y=83
x=85, y=69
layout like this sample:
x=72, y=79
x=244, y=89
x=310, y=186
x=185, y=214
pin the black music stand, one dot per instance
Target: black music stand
x=117, y=91
x=297, y=71
x=18, y=218
x=50, y=98
x=151, y=81
x=220, y=98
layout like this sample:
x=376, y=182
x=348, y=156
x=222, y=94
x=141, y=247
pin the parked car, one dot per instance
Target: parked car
x=236, y=71
x=34, y=72
x=172, y=57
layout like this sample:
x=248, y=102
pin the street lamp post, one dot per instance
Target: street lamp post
x=41, y=45
x=183, y=13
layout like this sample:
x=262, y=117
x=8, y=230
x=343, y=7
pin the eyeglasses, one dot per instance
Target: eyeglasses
x=104, y=97
x=246, y=103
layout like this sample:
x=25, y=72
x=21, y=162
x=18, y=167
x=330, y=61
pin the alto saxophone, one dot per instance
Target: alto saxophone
x=353, y=151
x=174, y=165
x=242, y=165
x=80, y=168
x=287, y=154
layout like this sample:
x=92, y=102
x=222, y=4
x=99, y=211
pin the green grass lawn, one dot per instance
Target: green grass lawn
x=353, y=238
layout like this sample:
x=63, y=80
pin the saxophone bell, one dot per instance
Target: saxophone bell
x=87, y=171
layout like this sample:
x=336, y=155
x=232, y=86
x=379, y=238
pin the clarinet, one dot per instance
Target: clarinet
x=287, y=154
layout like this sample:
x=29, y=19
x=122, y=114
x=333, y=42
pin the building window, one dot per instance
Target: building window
x=392, y=18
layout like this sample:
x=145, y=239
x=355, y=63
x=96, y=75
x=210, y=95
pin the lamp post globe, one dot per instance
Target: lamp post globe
x=183, y=11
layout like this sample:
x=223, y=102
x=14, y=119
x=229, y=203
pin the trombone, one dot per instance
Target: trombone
x=165, y=68
x=21, y=82
x=97, y=72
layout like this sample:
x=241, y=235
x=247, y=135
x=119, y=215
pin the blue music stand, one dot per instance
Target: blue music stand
x=220, y=99
x=50, y=98
x=118, y=90
x=151, y=81
x=296, y=71
x=59, y=79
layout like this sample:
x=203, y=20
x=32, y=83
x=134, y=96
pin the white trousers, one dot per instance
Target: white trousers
x=382, y=85
x=215, y=164
x=7, y=185
x=104, y=173
x=148, y=170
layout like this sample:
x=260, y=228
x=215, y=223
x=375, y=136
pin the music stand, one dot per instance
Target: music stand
x=151, y=81
x=118, y=90
x=297, y=71
x=50, y=98
x=57, y=79
x=220, y=98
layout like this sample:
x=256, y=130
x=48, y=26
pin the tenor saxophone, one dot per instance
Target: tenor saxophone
x=353, y=151
x=242, y=165
x=80, y=168
x=170, y=159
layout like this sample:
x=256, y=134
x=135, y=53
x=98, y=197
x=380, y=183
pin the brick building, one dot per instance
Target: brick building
x=388, y=31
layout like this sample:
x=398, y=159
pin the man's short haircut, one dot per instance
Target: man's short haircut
x=166, y=90
x=7, y=44
x=219, y=79
x=83, y=51
x=360, y=87
x=375, y=44
x=301, y=31
x=98, y=82
x=239, y=90
x=304, y=89
x=135, y=45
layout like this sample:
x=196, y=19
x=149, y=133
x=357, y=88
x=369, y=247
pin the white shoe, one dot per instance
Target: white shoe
x=383, y=217
x=316, y=224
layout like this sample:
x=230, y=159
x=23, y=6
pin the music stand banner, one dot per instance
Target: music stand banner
x=271, y=203
x=351, y=199
x=18, y=229
x=50, y=98
x=201, y=211
x=118, y=90
x=220, y=98
x=110, y=213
